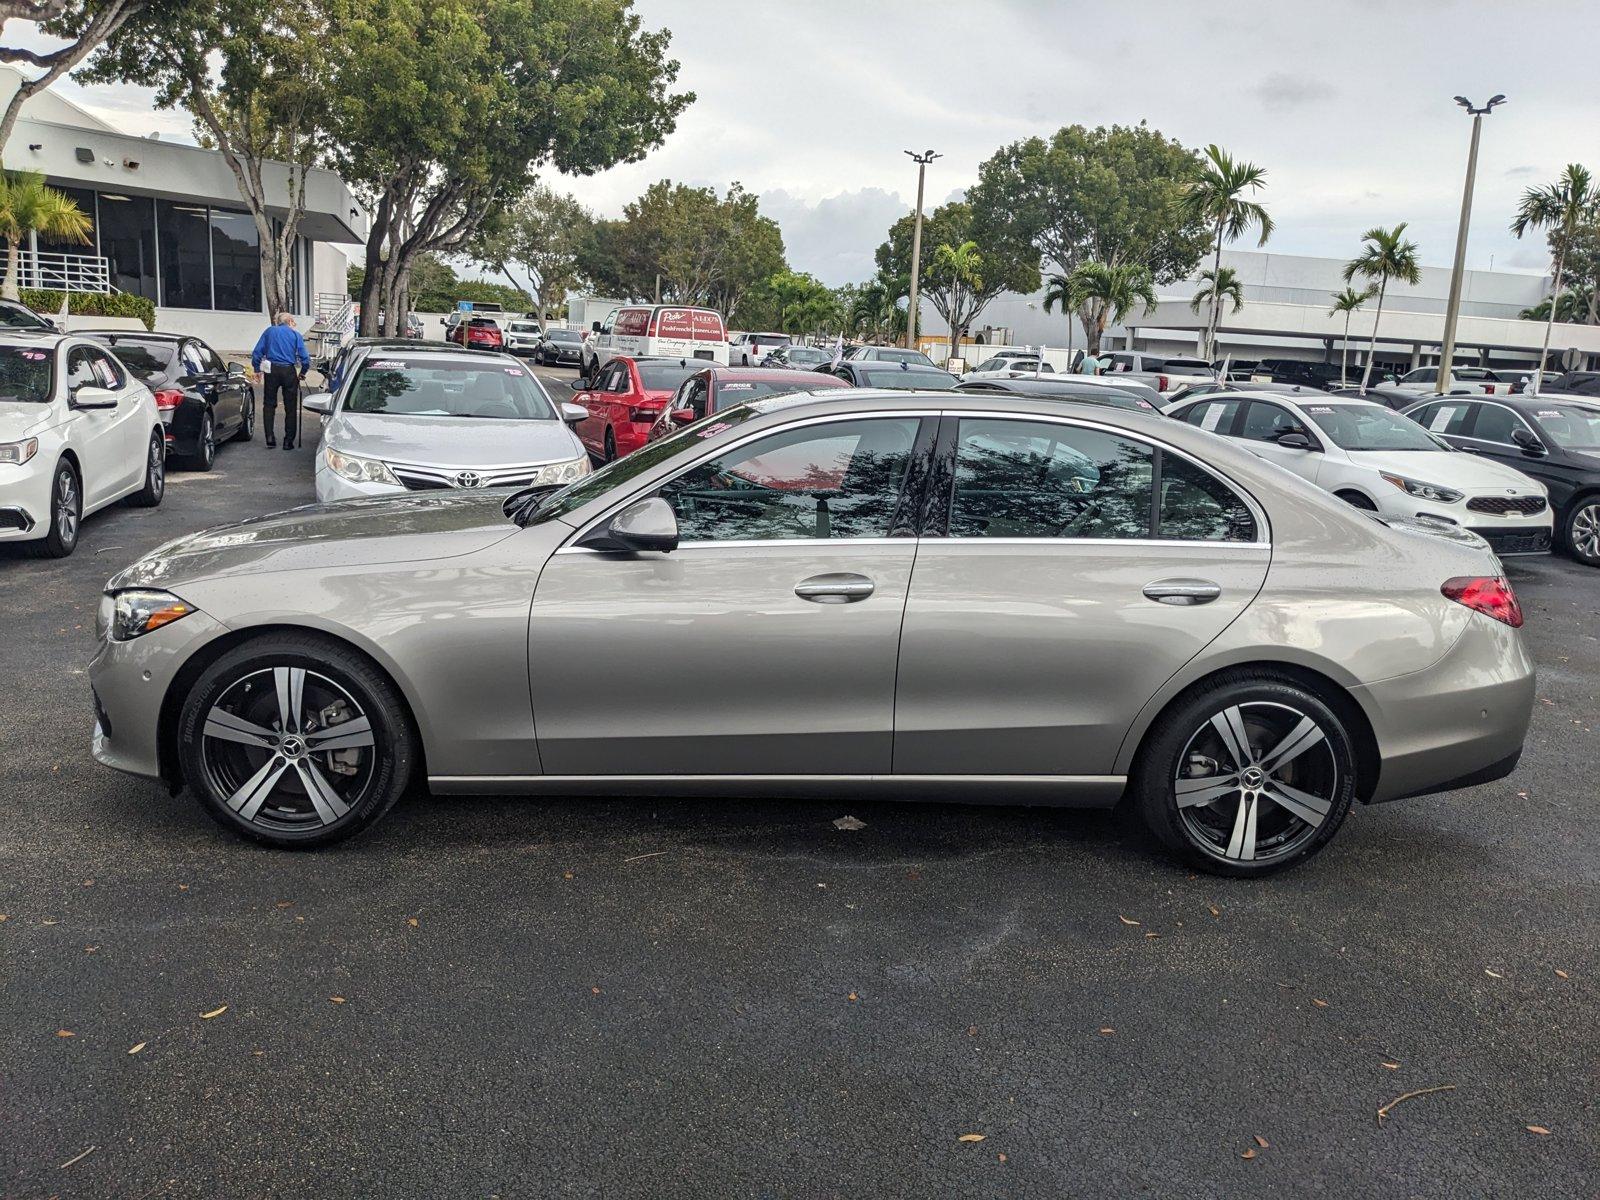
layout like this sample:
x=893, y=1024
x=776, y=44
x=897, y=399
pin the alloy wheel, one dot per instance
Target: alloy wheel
x=288, y=749
x=67, y=508
x=208, y=442
x=1255, y=782
x=158, y=467
x=1585, y=532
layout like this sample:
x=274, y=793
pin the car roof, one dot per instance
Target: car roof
x=137, y=335
x=445, y=350
x=52, y=337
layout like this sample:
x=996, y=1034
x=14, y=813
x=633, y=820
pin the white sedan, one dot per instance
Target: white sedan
x=77, y=432
x=1382, y=461
x=431, y=420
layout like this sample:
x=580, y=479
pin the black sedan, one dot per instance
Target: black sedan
x=203, y=401
x=559, y=347
x=873, y=373
x=1556, y=441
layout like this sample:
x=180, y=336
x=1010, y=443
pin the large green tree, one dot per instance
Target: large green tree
x=452, y=106
x=1106, y=195
x=959, y=292
x=253, y=76
x=542, y=233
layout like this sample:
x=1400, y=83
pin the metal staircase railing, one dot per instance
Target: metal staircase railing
x=334, y=320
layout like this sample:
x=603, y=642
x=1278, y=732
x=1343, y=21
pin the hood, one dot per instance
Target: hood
x=469, y=443
x=432, y=525
x=1449, y=469
x=19, y=420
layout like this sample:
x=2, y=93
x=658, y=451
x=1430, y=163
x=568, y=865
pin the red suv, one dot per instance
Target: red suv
x=482, y=333
x=625, y=399
x=716, y=388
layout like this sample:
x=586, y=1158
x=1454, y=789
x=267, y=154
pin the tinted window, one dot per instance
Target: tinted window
x=1037, y=479
x=1196, y=506
x=1214, y=416
x=80, y=369
x=402, y=387
x=1570, y=427
x=562, y=335
x=889, y=376
x=739, y=390
x=18, y=316
x=108, y=374
x=664, y=376
x=1495, y=424
x=839, y=480
x=1267, y=422
x=25, y=374
x=1423, y=375
x=1451, y=419
x=906, y=356
x=147, y=358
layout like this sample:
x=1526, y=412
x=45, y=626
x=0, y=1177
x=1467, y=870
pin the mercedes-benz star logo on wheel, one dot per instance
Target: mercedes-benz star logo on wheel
x=468, y=479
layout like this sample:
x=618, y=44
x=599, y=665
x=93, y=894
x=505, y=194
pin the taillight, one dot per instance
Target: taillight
x=1161, y=383
x=168, y=399
x=643, y=412
x=1490, y=391
x=1489, y=594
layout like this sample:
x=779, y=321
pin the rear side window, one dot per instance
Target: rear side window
x=1196, y=506
x=1451, y=420
x=1214, y=416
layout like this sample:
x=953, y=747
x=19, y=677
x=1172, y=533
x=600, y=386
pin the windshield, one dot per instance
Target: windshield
x=1368, y=427
x=800, y=354
x=905, y=356
x=562, y=335
x=664, y=376
x=619, y=471
x=25, y=375
x=17, y=316
x=742, y=389
x=524, y=327
x=890, y=376
x=448, y=388
x=1570, y=427
x=150, y=358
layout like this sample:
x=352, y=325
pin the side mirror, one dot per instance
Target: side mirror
x=94, y=397
x=579, y=384
x=318, y=402
x=594, y=327
x=683, y=416
x=645, y=525
x=1294, y=441
x=236, y=370
x=1531, y=446
x=573, y=413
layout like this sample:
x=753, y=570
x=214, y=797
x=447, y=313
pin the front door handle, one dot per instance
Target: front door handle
x=840, y=587
x=1182, y=591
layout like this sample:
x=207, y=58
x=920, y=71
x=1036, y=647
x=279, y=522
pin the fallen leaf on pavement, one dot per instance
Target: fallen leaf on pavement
x=1248, y=1154
x=337, y=999
x=595, y=990
x=972, y=1031
x=285, y=904
x=1319, y=1003
x=1262, y=1142
x=136, y=1048
x=971, y=1137
x=1393, y=1066
x=1002, y=1156
x=1562, y=973
x=1538, y=1129
x=65, y=1033
x=1152, y=935
x=1215, y=911
x=850, y=823
x=412, y=921
x=853, y=996
x=1106, y=1031
x=1127, y=920
x=215, y=1012
x=1401, y=1099
x=1493, y=974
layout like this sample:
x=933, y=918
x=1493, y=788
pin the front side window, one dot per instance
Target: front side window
x=837, y=480
x=1027, y=479
x=1268, y=422
x=1495, y=424
x=80, y=370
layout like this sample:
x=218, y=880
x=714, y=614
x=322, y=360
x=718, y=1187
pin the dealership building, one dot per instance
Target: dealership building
x=168, y=224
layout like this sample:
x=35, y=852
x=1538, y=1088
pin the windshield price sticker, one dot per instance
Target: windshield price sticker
x=513, y=370
x=712, y=430
x=1321, y=408
x=35, y=355
x=737, y=387
x=387, y=364
x=1548, y=412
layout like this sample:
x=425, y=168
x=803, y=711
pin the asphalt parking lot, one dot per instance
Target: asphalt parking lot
x=517, y=997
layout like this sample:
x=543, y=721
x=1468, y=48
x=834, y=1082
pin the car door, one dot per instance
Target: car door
x=98, y=437
x=592, y=429
x=227, y=393
x=1493, y=433
x=131, y=422
x=1083, y=566
x=1265, y=422
x=765, y=644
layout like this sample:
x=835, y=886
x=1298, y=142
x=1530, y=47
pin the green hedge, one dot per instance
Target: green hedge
x=92, y=304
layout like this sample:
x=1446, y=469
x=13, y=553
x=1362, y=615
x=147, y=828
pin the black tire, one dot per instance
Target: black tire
x=611, y=446
x=66, y=515
x=287, y=816
x=247, y=421
x=1581, y=530
x=1235, y=834
x=1357, y=500
x=155, y=473
x=205, y=443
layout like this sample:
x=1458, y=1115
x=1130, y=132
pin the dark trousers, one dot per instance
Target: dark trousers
x=282, y=378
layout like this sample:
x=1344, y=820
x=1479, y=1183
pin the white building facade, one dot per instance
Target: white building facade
x=169, y=224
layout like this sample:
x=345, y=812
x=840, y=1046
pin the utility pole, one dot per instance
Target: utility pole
x=1452, y=308
x=922, y=160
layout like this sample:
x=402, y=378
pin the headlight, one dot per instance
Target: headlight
x=1423, y=491
x=17, y=453
x=138, y=611
x=359, y=470
x=562, y=472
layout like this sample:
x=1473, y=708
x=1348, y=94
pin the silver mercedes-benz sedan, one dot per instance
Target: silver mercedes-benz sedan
x=940, y=596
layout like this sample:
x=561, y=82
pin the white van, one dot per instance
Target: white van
x=656, y=331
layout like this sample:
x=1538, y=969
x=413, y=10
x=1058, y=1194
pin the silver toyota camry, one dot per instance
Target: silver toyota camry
x=934, y=596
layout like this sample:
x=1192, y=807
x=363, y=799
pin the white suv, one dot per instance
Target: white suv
x=77, y=432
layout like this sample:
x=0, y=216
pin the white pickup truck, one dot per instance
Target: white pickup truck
x=1164, y=372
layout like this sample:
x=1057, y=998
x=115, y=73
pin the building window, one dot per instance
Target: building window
x=128, y=241
x=84, y=199
x=235, y=261
x=185, y=255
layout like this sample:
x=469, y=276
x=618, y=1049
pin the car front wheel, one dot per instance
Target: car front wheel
x=1247, y=776
x=1583, y=531
x=296, y=740
x=66, y=515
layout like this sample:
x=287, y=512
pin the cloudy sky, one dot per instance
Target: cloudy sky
x=1347, y=103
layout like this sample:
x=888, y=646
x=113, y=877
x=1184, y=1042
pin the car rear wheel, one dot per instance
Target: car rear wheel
x=296, y=741
x=611, y=446
x=1246, y=777
x=1583, y=531
x=66, y=515
x=205, y=445
x=155, y=473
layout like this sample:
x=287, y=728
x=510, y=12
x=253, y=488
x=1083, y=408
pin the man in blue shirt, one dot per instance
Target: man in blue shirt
x=282, y=351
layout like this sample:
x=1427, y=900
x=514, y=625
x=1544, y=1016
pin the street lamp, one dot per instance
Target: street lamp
x=1447, y=347
x=922, y=160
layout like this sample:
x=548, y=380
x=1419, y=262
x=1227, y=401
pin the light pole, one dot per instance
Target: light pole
x=1447, y=347
x=922, y=160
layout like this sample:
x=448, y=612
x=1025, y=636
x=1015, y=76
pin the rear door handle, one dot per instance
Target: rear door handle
x=839, y=587
x=1182, y=591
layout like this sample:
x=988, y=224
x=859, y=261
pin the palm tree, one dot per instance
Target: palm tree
x=1217, y=197
x=1113, y=291
x=1560, y=208
x=1572, y=308
x=1224, y=281
x=27, y=206
x=1347, y=302
x=959, y=264
x=1385, y=255
x=1058, y=290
